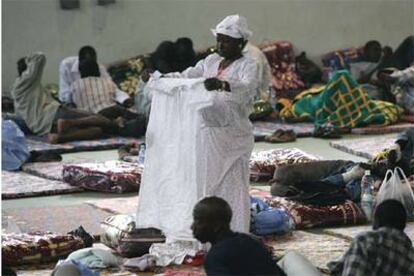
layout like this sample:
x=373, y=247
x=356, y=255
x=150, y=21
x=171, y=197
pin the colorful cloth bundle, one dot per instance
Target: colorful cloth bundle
x=342, y=58
x=341, y=103
x=282, y=63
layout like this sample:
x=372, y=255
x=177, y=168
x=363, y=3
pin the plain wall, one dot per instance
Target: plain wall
x=131, y=27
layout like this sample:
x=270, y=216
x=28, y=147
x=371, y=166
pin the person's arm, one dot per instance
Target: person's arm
x=246, y=86
x=65, y=92
x=214, y=264
x=35, y=65
x=196, y=71
x=354, y=262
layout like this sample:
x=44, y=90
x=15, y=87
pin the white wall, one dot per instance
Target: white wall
x=131, y=27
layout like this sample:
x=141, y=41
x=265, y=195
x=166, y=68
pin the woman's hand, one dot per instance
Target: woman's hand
x=146, y=74
x=216, y=84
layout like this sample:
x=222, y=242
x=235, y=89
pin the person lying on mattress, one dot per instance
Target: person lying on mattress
x=234, y=253
x=95, y=94
x=386, y=250
x=401, y=85
x=341, y=103
x=44, y=115
x=331, y=182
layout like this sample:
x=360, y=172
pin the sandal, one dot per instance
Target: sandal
x=281, y=136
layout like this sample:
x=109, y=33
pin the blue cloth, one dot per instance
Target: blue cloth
x=14, y=147
x=83, y=270
x=272, y=221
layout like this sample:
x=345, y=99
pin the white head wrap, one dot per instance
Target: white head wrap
x=234, y=26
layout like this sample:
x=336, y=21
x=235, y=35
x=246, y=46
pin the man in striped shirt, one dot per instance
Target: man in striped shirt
x=69, y=73
x=95, y=94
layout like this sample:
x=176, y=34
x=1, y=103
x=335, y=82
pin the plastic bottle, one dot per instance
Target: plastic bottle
x=273, y=97
x=367, y=197
x=332, y=69
x=141, y=153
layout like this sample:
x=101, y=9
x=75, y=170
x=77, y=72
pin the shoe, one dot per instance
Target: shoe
x=281, y=136
x=326, y=131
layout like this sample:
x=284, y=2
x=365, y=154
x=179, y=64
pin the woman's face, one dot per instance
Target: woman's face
x=229, y=47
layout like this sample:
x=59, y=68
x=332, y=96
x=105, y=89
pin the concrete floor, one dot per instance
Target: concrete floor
x=319, y=147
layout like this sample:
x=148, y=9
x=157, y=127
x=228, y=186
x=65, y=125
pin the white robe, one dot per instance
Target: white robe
x=198, y=144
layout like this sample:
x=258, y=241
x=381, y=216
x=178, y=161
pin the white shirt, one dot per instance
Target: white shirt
x=93, y=94
x=264, y=75
x=362, y=68
x=69, y=73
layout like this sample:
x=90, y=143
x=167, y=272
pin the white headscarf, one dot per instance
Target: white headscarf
x=234, y=26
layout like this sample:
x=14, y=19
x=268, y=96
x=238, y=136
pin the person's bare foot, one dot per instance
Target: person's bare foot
x=120, y=122
x=53, y=138
x=62, y=126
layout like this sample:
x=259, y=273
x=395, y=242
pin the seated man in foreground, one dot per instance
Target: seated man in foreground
x=386, y=250
x=235, y=253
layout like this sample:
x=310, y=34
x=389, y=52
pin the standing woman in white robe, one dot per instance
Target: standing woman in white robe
x=229, y=148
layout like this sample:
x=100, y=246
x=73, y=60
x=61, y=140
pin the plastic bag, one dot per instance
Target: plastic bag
x=394, y=187
x=14, y=147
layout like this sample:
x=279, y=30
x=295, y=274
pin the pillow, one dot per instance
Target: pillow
x=308, y=216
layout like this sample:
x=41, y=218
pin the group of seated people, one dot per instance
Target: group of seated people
x=386, y=250
x=101, y=108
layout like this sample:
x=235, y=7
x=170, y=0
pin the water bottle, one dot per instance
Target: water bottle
x=141, y=154
x=272, y=98
x=367, y=197
x=332, y=69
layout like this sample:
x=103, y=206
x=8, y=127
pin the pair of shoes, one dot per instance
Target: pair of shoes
x=281, y=136
x=326, y=131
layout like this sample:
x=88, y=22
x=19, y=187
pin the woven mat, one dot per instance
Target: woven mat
x=262, y=129
x=58, y=219
x=49, y=170
x=351, y=232
x=128, y=205
x=124, y=205
x=382, y=130
x=366, y=147
x=20, y=184
x=39, y=144
x=318, y=248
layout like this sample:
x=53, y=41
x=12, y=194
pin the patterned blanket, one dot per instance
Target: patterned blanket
x=108, y=176
x=18, y=185
x=341, y=103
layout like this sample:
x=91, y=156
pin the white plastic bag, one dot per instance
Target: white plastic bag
x=397, y=188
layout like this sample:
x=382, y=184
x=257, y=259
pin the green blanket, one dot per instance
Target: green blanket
x=341, y=103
